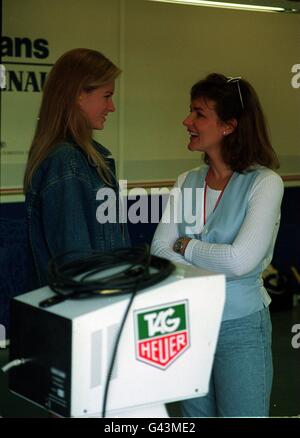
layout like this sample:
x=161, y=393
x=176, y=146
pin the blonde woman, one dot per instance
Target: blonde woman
x=66, y=167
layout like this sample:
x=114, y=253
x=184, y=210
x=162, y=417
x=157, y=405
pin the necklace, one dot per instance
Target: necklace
x=219, y=197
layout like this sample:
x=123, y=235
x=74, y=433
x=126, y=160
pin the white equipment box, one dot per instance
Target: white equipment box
x=165, y=353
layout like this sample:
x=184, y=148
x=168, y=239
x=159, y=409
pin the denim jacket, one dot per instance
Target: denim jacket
x=61, y=208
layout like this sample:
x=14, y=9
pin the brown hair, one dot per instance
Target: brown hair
x=60, y=117
x=249, y=144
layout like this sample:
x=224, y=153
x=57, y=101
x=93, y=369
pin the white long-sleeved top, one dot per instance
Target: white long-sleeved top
x=254, y=243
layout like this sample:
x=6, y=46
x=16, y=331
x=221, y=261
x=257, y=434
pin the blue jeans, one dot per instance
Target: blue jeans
x=241, y=380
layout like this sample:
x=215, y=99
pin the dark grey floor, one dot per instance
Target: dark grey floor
x=286, y=387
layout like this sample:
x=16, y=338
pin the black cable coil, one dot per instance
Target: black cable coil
x=72, y=279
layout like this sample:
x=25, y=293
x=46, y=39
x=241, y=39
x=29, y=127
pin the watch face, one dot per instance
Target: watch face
x=178, y=245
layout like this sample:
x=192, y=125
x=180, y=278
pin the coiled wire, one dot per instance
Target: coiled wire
x=73, y=278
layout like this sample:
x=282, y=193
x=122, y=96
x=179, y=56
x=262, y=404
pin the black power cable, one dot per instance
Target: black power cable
x=114, y=354
x=72, y=279
x=137, y=269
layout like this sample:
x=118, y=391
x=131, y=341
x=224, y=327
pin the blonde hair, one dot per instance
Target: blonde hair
x=60, y=117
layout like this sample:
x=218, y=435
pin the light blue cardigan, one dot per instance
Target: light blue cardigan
x=244, y=294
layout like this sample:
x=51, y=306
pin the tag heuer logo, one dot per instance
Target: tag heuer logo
x=162, y=333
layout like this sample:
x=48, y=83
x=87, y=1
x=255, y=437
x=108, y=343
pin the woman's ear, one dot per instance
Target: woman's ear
x=230, y=126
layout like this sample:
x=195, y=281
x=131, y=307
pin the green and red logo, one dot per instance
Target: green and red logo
x=162, y=333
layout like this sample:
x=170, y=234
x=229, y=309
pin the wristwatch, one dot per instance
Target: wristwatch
x=179, y=244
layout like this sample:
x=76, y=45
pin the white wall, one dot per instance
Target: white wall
x=162, y=49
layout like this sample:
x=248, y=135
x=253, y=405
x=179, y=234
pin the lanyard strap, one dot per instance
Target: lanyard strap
x=218, y=200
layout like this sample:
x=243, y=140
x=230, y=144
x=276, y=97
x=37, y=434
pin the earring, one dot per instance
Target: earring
x=224, y=133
